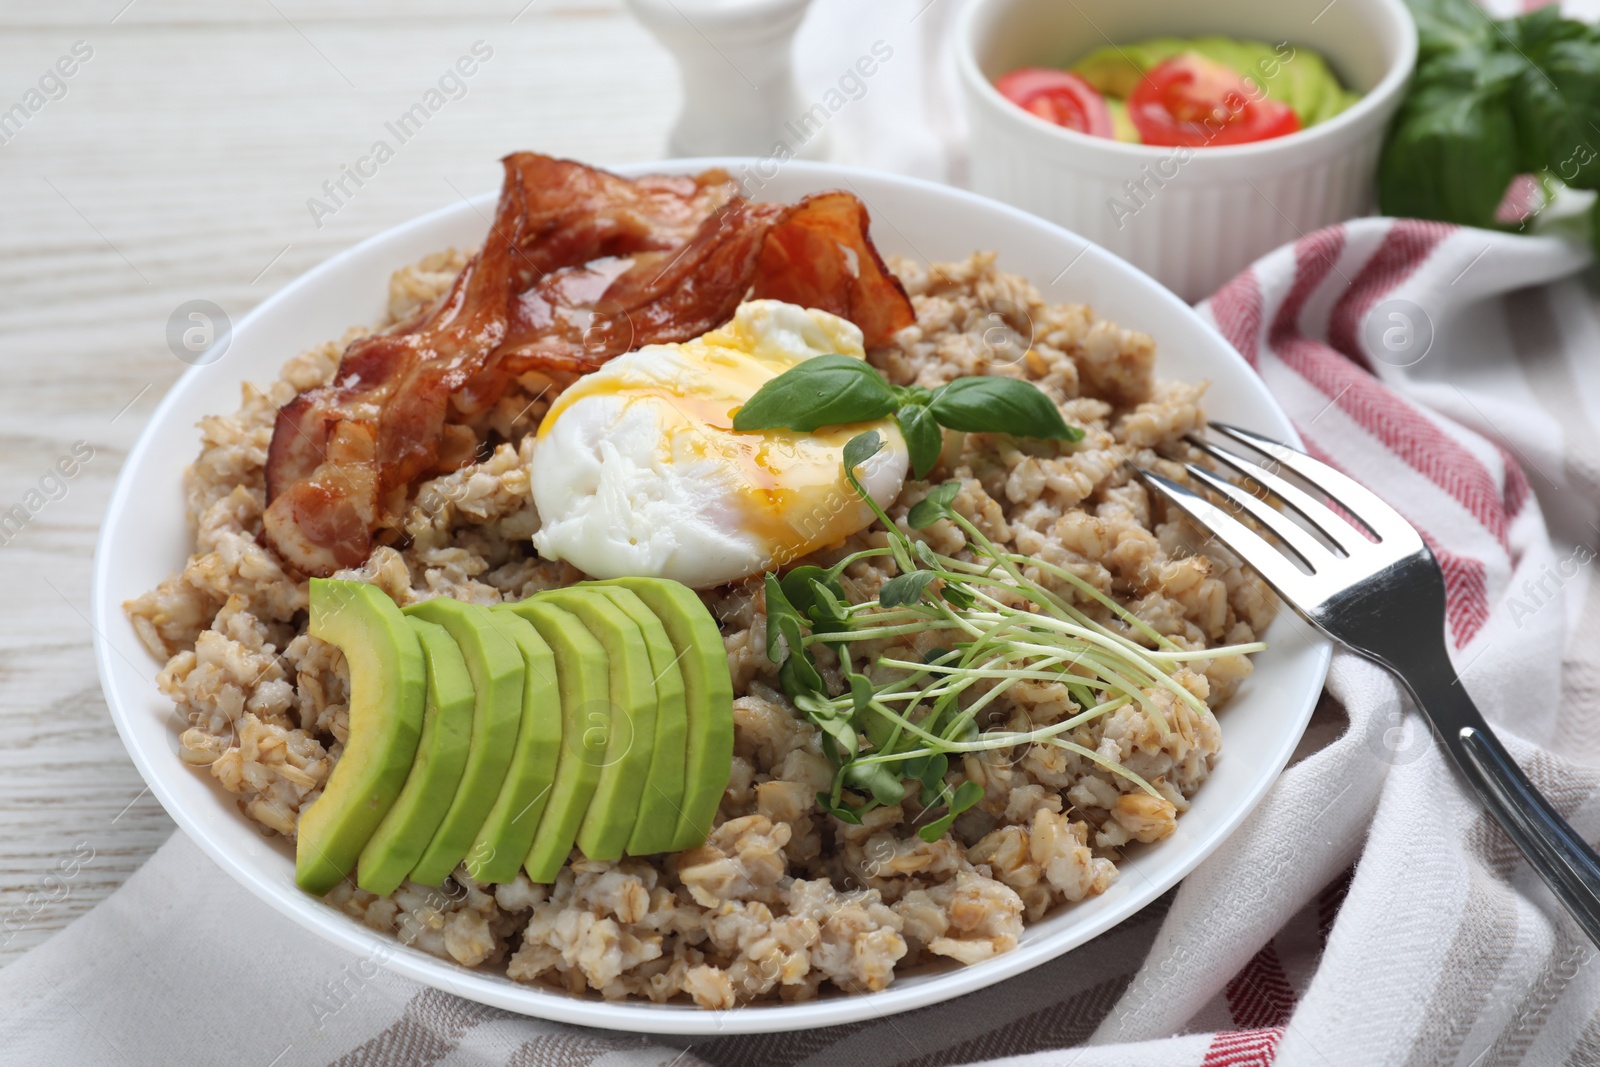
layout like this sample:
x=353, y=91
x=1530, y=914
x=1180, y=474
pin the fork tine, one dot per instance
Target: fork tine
x=1295, y=540
x=1319, y=515
x=1394, y=531
x=1238, y=538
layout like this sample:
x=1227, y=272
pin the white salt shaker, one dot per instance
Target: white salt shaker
x=739, y=96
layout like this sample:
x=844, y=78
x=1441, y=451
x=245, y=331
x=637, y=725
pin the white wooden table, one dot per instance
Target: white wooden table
x=175, y=164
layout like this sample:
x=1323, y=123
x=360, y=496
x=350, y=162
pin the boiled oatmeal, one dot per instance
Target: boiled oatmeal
x=783, y=900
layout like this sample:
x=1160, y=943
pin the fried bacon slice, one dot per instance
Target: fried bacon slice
x=579, y=266
x=816, y=253
x=576, y=213
x=578, y=318
x=343, y=455
x=820, y=256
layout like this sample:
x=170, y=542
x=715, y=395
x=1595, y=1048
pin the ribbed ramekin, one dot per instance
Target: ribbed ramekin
x=1192, y=218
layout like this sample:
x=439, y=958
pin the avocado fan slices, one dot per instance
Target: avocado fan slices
x=596, y=715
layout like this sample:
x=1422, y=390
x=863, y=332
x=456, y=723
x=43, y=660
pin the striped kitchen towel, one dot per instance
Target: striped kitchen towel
x=1367, y=913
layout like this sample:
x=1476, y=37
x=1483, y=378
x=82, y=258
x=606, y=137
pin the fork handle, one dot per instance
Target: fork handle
x=1549, y=843
x=1552, y=847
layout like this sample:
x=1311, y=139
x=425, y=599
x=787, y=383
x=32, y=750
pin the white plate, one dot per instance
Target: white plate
x=145, y=538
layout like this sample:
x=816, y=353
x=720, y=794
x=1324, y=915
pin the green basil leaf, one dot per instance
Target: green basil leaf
x=934, y=655
x=1450, y=156
x=911, y=394
x=1490, y=100
x=923, y=439
x=1445, y=26
x=860, y=448
x=986, y=404
x=1554, y=102
x=933, y=507
x=822, y=391
x=905, y=588
x=1535, y=33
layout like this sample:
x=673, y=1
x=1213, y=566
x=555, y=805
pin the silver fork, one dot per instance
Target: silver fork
x=1385, y=600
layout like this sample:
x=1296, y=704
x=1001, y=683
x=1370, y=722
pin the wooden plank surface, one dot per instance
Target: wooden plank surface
x=176, y=164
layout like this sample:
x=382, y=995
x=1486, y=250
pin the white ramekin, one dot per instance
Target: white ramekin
x=1195, y=221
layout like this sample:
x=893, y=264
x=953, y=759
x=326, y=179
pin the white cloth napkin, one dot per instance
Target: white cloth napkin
x=1367, y=913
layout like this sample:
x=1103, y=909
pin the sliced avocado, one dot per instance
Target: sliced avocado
x=1111, y=71
x=388, y=687
x=619, y=735
x=1115, y=70
x=708, y=697
x=1243, y=57
x=507, y=833
x=495, y=663
x=583, y=678
x=436, y=772
x=1311, y=88
x=1122, y=127
x=661, y=804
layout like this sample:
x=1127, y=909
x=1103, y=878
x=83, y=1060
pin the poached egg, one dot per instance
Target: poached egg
x=637, y=470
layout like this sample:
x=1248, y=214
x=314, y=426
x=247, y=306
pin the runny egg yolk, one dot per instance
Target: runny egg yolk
x=637, y=469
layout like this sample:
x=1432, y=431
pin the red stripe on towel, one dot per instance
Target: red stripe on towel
x=1237, y=309
x=1314, y=257
x=1260, y=995
x=1402, y=428
x=1243, y=1048
x=1406, y=246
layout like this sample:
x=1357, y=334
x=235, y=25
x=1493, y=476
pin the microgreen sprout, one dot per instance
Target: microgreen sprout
x=907, y=719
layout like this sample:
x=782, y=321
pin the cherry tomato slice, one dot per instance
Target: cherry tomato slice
x=1060, y=97
x=1195, y=101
